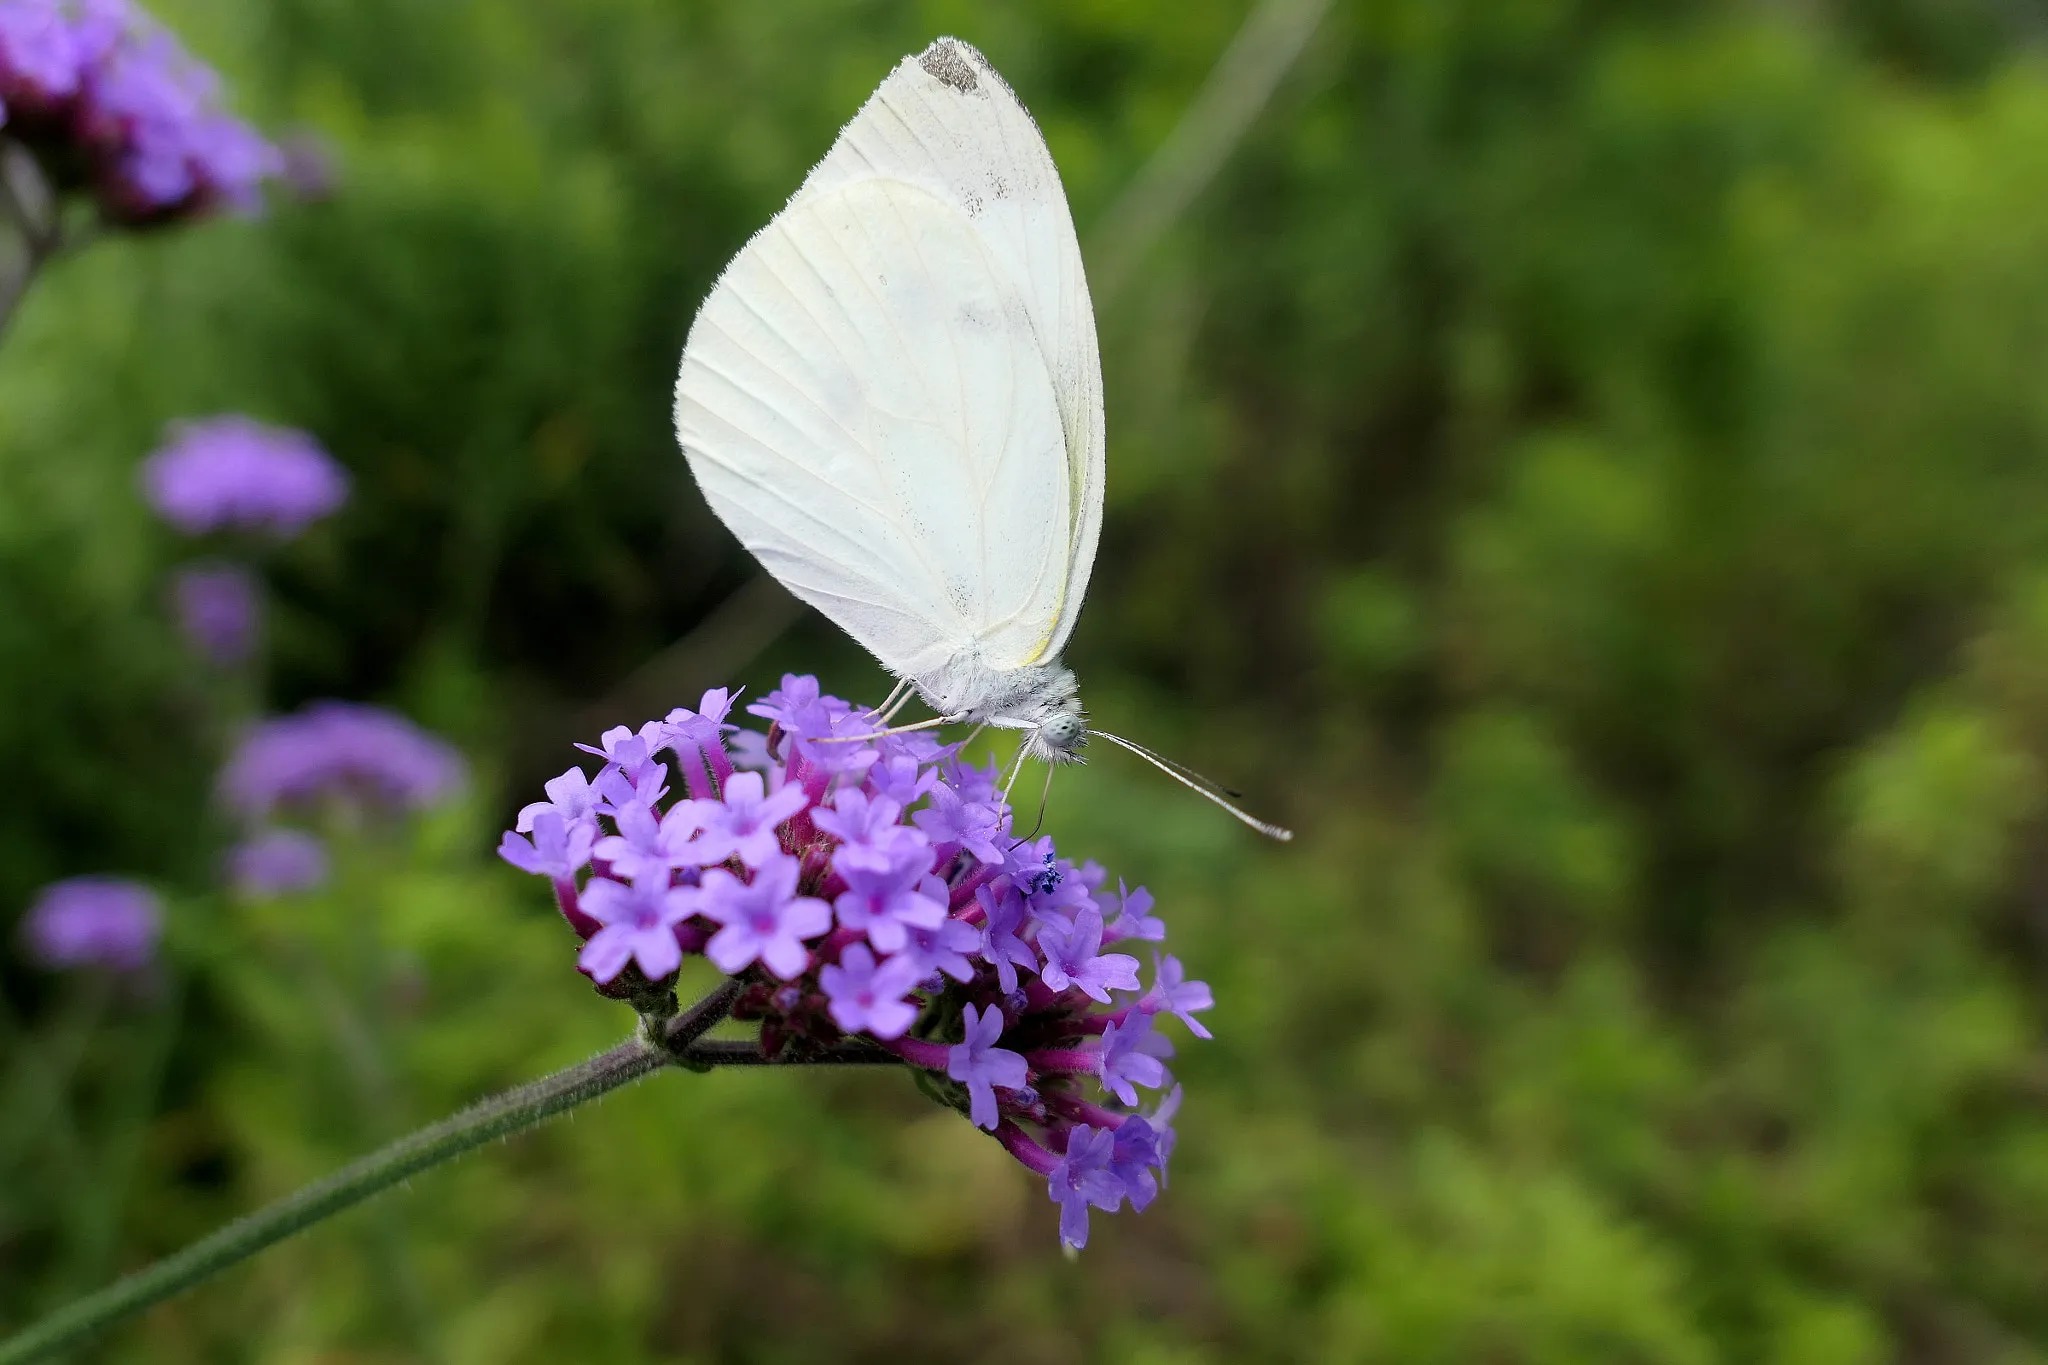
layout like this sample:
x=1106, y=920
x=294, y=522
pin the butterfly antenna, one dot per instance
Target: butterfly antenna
x=1195, y=782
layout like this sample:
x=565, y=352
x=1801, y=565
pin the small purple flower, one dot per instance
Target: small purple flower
x=646, y=846
x=1163, y=1136
x=1134, y=1157
x=616, y=791
x=558, y=849
x=884, y=896
x=799, y=707
x=744, y=822
x=94, y=922
x=1134, y=917
x=233, y=473
x=632, y=752
x=217, y=607
x=901, y=779
x=844, y=747
x=942, y=950
x=1130, y=1057
x=867, y=997
x=856, y=818
x=339, y=749
x=980, y=1065
x=977, y=826
x=1073, y=958
x=278, y=862
x=1172, y=994
x=695, y=736
x=570, y=796
x=1002, y=916
x=639, y=925
x=1082, y=1180
x=765, y=920
x=974, y=784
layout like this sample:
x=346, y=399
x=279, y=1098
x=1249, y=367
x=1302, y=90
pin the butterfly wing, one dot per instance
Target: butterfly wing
x=893, y=395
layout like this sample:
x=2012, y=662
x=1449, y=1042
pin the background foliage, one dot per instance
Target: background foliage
x=1583, y=462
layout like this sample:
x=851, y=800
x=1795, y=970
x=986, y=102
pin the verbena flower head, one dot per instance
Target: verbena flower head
x=116, y=102
x=869, y=888
x=277, y=862
x=339, y=751
x=106, y=922
x=217, y=606
x=232, y=473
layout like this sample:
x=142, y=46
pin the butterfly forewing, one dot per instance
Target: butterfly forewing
x=893, y=397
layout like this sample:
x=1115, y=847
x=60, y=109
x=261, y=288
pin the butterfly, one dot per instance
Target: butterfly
x=893, y=398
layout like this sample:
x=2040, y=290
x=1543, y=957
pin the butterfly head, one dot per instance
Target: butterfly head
x=1063, y=734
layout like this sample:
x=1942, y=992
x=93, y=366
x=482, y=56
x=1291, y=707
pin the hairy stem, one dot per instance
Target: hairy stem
x=499, y=1116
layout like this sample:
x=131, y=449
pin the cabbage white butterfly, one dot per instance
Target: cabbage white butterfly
x=893, y=398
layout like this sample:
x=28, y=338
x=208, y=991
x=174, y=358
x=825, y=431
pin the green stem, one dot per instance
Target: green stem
x=499, y=1116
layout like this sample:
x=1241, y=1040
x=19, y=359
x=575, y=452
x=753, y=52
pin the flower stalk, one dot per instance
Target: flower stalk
x=499, y=1116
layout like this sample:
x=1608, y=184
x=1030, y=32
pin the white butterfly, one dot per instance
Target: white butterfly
x=893, y=398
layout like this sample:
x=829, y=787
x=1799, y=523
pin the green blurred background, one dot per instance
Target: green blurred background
x=1584, y=463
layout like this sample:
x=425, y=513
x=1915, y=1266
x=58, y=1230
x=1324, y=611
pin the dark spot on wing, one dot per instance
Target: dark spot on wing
x=943, y=59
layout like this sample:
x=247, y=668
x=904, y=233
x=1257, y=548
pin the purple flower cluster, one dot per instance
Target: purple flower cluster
x=217, y=606
x=869, y=885
x=106, y=922
x=276, y=862
x=114, y=101
x=336, y=750
x=232, y=473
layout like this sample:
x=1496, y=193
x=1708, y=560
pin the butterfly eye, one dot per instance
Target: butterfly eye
x=1063, y=731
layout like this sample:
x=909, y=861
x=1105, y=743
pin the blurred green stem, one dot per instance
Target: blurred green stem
x=500, y=1116
x=96, y=1214
x=30, y=206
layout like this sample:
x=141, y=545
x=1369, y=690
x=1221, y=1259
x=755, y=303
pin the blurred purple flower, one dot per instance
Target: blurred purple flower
x=39, y=56
x=217, y=606
x=277, y=862
x=230, y=472
x=339, y=749
x=94, y=922
x=149, y=115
